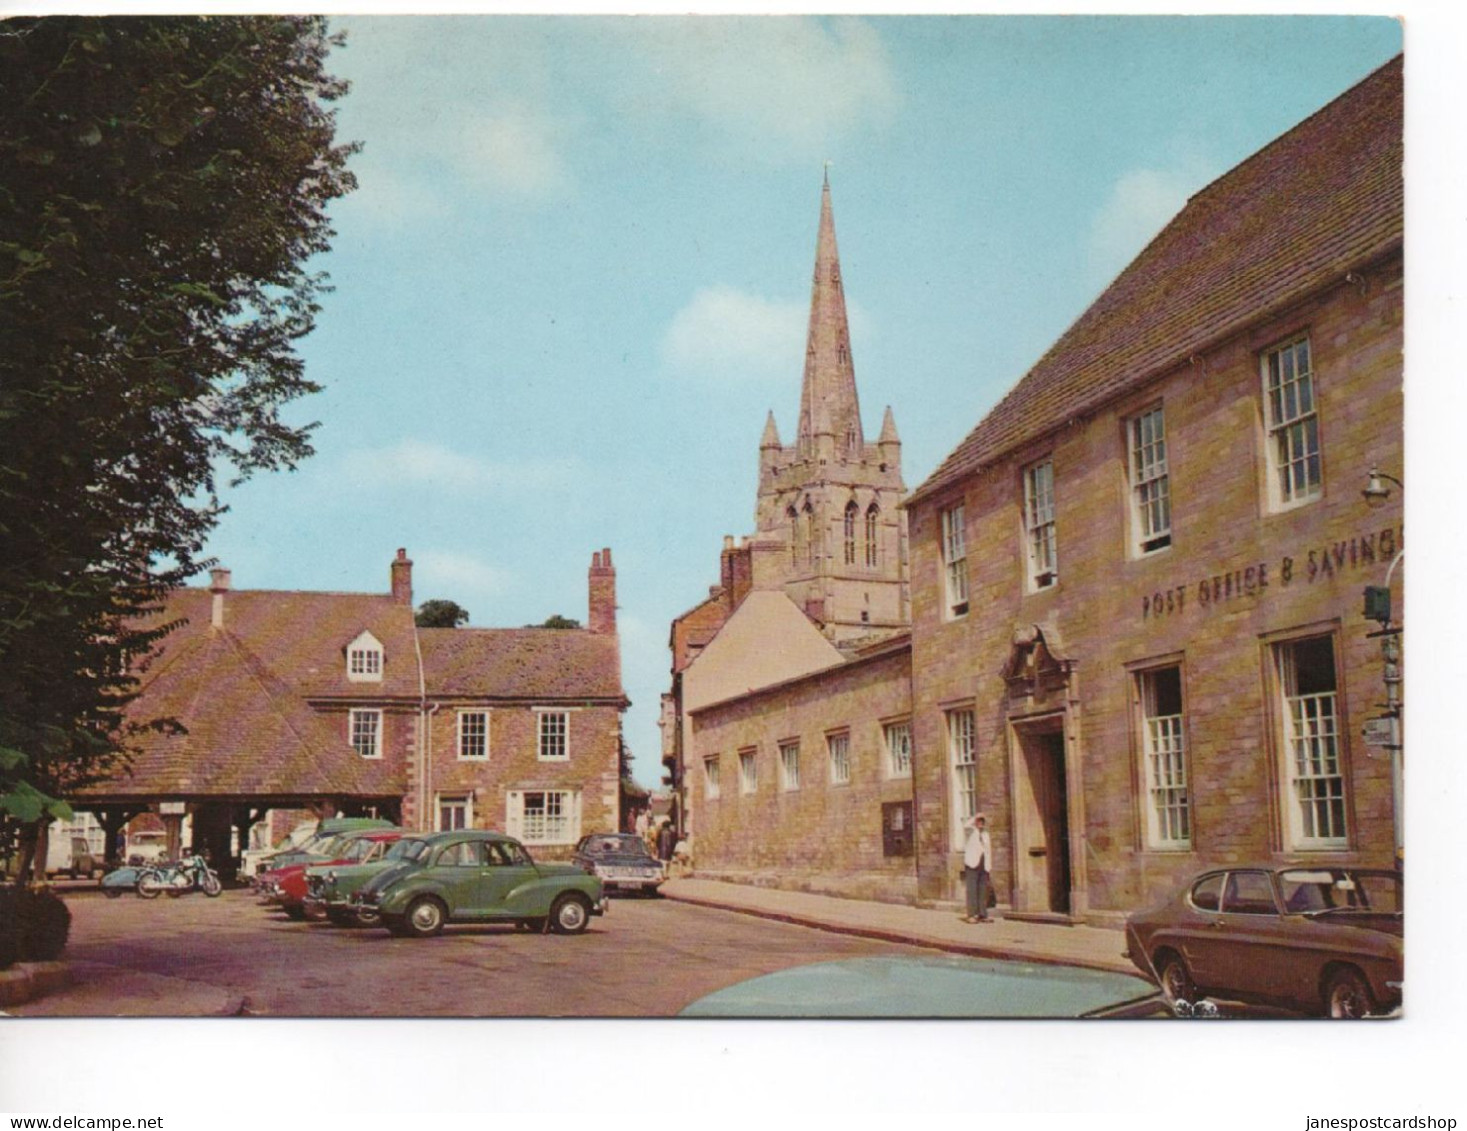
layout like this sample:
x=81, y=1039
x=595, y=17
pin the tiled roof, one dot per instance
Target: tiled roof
x=1325, y=197
x=247, y=728
x=521, y=663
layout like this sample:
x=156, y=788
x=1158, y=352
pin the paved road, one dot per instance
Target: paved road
x=195, y=955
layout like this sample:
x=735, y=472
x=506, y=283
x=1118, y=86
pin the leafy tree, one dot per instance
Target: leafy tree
x=441, y=614
x=166, y=183
x=555, y=620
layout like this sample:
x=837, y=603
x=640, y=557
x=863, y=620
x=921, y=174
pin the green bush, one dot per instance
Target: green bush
x=34, y=925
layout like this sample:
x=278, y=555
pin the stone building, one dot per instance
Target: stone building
x=337, y=703
x=1136, y=631
x=1137, y=638
x=787, y=678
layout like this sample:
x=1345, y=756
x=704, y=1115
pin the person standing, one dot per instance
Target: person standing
x=977, y=855
x=666, y=842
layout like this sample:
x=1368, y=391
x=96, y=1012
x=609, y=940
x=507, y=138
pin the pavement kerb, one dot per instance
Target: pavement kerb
x=909, y=938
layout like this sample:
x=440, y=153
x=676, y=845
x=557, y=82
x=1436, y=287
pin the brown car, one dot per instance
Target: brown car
x=1318, y=938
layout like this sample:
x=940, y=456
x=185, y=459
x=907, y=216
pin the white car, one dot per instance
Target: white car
x=249, y=860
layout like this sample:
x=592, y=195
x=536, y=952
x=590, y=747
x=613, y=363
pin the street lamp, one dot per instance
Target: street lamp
x=1378, y=608
x=1375, y=491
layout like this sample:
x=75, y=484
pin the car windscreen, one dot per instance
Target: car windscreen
x=406, y=850
x=359, y=849
x=620, y=845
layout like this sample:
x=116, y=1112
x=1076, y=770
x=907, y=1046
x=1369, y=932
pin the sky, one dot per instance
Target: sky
x=575, y=275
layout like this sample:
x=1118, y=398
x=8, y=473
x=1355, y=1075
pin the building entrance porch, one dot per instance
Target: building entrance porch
x=1043, y=873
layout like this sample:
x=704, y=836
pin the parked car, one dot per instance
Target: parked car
x=288, y=885
x=1317, y=938
x=314, y=850
x=621, y=861
x=481, y=877
x=250, y=859
x=330, y=887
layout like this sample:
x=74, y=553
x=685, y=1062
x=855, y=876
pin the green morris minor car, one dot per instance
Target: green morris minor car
x=475, y=876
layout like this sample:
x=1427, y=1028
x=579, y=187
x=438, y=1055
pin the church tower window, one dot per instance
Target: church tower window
x=809, y=533
x=850, y=540
x=873, y=525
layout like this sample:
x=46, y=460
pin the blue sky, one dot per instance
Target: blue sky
x=576, y=273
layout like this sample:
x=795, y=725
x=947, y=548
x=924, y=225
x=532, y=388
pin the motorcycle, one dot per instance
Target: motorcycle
x=189, y=874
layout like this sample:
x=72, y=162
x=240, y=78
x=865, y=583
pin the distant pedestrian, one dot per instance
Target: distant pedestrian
x=641, y=825
x=977, y=855
x=666, y=841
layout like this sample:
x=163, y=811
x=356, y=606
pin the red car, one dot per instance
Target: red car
x=1320, y=938
x=286, y=887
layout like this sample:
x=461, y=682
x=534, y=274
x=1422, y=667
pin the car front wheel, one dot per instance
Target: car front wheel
x=1346, y=995
x=425, y=916
x=1176, y=982
x=570, y=914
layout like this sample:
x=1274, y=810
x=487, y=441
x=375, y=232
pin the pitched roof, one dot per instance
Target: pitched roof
x=522, y=663
x=1323, y=198
x=247, y=729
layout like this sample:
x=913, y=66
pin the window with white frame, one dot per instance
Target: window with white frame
x=962, y=749
x=1293, y=423
x=1164, y=752
x=898, y=738
x=955, y=561
x=712, y=787
x=473, y=735
x=453, y=812
x=1312, y=760
x=789, y=765
x=364, y=659
x=1039, y=525
x=852, y=513
x=554, y=732
x=748, y=771
x=873, y=535
x=839, y=748
x=1151, y=499
x=544, y=816
x=364, y=724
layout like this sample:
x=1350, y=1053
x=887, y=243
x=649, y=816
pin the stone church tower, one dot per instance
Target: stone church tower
x=830, y=530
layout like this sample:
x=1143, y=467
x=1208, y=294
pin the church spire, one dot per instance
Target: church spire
x=770, y=439
x=828, y=404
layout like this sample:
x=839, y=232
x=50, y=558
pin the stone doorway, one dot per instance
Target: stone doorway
x=1042, y=819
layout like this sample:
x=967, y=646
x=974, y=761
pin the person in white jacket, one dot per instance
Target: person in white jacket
x=977, y=855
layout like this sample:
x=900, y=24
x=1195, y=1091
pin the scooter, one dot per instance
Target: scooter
x=191, y=873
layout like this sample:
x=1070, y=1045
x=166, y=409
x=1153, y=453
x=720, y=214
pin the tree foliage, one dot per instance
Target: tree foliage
x=439, y=613
x=555, y=620
x=166, y=184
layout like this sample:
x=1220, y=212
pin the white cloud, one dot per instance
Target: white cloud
x=415, y=462
x=1139, y=206
x=514, y=148
x=444, y=571
x=790, y=83
x=726, y=332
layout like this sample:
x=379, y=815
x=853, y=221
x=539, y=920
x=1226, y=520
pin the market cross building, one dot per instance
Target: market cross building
x=1137, y=639
x=288, y=701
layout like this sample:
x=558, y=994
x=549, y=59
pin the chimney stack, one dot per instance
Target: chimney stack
x=602, y=584
x=402, y=579
x=218, y=585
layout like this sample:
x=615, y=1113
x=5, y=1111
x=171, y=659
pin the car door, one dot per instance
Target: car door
x=1249, y=943
x=507, y=868
x=458, y=871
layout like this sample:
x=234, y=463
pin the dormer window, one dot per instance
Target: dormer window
x=364, y=659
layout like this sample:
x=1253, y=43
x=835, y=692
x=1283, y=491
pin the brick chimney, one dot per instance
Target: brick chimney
x=602, y=584
x=402, y=579
x=218, y=585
